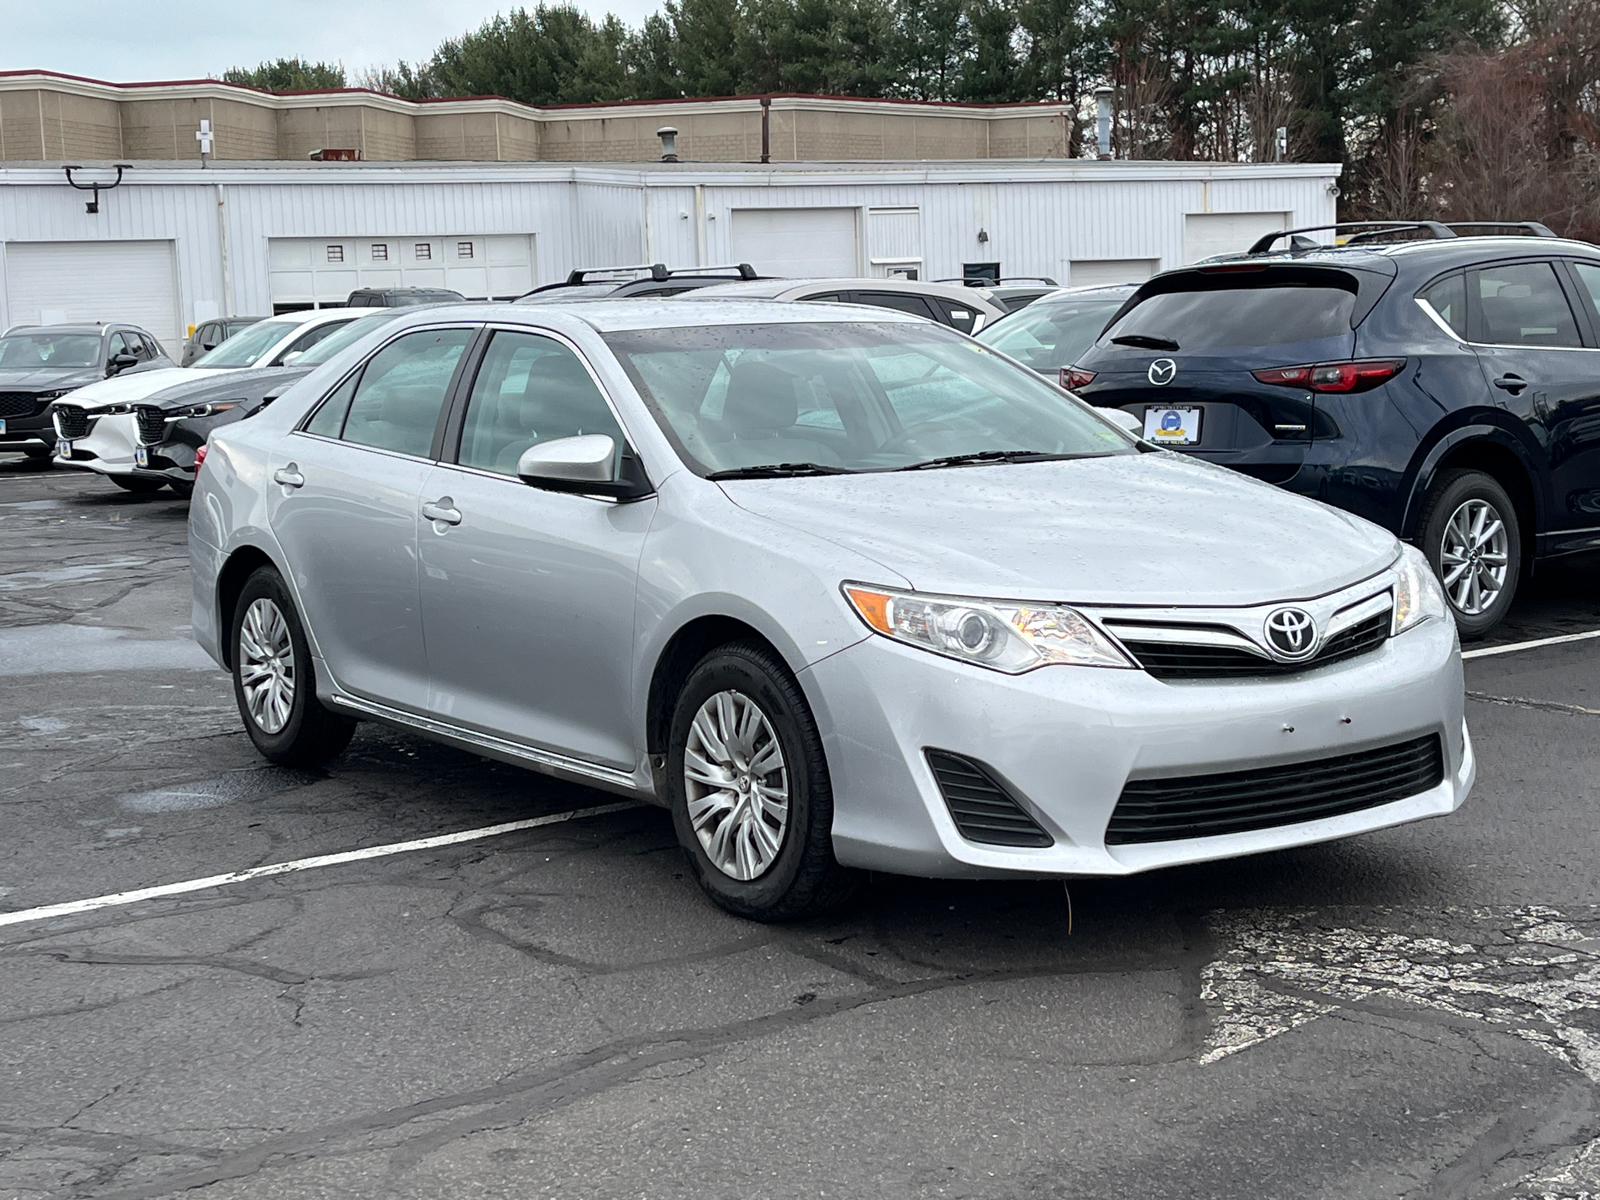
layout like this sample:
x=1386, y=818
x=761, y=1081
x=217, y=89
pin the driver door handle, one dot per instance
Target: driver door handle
x=289, y=476
x=443, y=509
x=1511, y=383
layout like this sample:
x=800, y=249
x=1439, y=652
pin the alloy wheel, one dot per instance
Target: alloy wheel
x=737, y=785
x=266, y=665
x=1473, y=556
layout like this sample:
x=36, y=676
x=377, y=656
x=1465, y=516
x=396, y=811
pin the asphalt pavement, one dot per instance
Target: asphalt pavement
x=557, y=1012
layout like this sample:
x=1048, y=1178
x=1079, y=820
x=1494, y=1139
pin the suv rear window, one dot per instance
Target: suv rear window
x=1241, y=312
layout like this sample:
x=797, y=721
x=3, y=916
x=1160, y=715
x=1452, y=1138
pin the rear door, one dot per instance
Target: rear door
x=1187, y=348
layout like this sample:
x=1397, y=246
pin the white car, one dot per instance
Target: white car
x=962, y=308
x=97, y=431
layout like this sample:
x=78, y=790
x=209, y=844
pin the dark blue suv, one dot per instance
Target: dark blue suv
x=1446, y=387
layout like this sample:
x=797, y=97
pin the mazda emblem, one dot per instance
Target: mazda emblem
x=1161, y=372
x=1291, y=633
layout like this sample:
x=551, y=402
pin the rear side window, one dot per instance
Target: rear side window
x=1522, y=304
x=905, y=302
x=396, y=403
x=1448, y=298
x=1589, y=278
x=1242, y=314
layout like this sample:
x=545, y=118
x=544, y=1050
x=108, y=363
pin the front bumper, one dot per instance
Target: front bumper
x=109, y=448
x=33, y=429
x=1066, y=740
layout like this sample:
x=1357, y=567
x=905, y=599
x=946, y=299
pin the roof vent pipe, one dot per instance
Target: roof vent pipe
x=1102, y=118
x=669, y=143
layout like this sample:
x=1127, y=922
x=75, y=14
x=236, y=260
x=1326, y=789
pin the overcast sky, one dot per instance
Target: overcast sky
x=126, y=40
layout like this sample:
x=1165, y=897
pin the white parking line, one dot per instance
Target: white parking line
x=1513, y=647
x=303, y=864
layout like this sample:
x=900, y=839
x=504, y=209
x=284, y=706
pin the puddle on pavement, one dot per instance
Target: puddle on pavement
x=76, y=649
x=258, y=783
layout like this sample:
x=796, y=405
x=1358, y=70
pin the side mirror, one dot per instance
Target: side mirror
x=1124, y=419
x=583, y=464
x=288, y=359
x=121, y=362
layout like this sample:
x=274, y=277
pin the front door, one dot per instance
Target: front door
x=528, y=595
x=343, y=504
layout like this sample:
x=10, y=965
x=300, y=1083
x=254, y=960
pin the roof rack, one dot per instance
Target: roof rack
x=657, y=271
x=1529, y=228
x=984, y=280
x=1374, y=230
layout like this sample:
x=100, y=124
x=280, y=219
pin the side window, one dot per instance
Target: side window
x=900, y=301
x=957, y=316
x=1589, y=279
x=397, y=402
x=530, y=389
x=1448, y=298
x=1522, y=304
x=119, y=345
x=309, y=339
x=827, y=297
x=151, y=350
x=328, y=420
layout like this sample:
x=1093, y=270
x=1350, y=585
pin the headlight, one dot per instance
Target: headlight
x=1417, y=594
x=1007, y=636
x=57, y=394
x=202, y=410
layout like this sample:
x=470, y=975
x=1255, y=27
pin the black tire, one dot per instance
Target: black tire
x=803, y=879
x=1450, y=493
x=137, y=483
x=311, y=734
x=38, y=451
x=182, y=488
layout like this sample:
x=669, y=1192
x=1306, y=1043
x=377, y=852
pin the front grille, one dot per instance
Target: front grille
x=1176, y=660
x=18, y=404
x=1164, y=810
x=72, y=421
x=982, y=809
x=152, y=423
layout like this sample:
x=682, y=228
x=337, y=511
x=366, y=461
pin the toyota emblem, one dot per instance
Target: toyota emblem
x=1291, y=633
x=1161, y=372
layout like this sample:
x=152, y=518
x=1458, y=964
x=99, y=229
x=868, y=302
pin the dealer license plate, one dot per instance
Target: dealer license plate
x=1172, y=426
x=63, y=448
x=141, y=456
x=2, y=426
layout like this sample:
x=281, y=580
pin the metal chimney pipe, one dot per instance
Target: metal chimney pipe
x=669, y=143
x=766, y=129
x=1102, y=118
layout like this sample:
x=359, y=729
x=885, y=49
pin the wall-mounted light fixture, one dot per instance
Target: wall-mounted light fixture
x=93, y=206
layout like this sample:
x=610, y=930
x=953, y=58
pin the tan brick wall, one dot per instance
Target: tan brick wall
x=81, y=127
x=243, y=130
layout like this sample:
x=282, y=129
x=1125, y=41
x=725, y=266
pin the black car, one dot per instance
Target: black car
x=208, y=335
x=651, y=280
x=173, y=424
x=1445, y=386
x=40, y=363
x=401, y=297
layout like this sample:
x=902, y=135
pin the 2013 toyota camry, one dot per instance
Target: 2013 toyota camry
x=842, y=589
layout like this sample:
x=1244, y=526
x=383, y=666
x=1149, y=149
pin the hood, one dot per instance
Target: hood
x=131, y=387
x=199, y=387
x=47, y=379
x=1131, y=529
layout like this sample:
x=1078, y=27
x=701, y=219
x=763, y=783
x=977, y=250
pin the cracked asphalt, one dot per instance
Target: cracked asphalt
x=558, y=1013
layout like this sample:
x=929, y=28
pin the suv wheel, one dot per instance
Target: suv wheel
x=273, y=680
x=1470, y=534
x=748, y=784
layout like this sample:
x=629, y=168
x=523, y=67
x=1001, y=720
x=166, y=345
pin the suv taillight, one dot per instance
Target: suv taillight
x=1073, y=378
x=1358, y=376
x=199, y=458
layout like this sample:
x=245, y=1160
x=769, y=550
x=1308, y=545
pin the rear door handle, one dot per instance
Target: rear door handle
x=443, y=509
x=1511, y=383
x=289, y=476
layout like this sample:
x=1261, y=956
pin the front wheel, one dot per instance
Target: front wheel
x=748, y=783
x=273, y=680
x=1470, y=534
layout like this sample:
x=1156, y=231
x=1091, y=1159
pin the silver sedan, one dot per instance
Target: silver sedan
x=842, y=592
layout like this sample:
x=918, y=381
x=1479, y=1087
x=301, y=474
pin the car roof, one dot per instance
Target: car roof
x=1429, y=254
x=773, y=288
x=315, y=316
x=1099, y=291
x=70, y=327
x=609, y=316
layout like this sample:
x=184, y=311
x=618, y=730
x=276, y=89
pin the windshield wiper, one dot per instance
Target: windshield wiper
x=779, y=471
x=981, y=457
x=1145, y=342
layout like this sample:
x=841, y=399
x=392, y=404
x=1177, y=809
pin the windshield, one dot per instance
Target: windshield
x=348, y=335
x=58, y=351
x=1050, y=335
x=245, y=348
x=862, y=396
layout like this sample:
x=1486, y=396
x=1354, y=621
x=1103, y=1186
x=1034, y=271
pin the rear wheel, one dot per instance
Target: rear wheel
x=751, y=800
x=273, y=680
x=137, y=483
x=1470, y=534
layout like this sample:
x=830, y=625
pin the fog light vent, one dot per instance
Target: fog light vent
x=982, y=808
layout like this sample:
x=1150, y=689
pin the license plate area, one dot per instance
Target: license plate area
x=1172, y=426
x=63, y=448
x=141, y=456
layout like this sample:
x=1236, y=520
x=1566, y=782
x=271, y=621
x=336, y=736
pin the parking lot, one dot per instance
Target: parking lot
x=557, y=1011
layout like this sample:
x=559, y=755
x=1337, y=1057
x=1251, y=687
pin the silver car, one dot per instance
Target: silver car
x=840, y=590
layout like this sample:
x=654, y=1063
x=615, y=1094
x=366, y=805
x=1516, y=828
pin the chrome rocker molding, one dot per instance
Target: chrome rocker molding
x=571, y=769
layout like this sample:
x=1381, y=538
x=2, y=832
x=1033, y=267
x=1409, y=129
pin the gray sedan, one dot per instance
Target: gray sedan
x=841, y=591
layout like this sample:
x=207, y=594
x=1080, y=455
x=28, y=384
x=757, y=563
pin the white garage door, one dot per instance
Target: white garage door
x=49, y=282
x=797, y=242
x=1095, y=272
x=1209, y=234
x=322, y=272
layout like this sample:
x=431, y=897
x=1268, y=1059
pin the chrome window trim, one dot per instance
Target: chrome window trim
x=300, y=426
